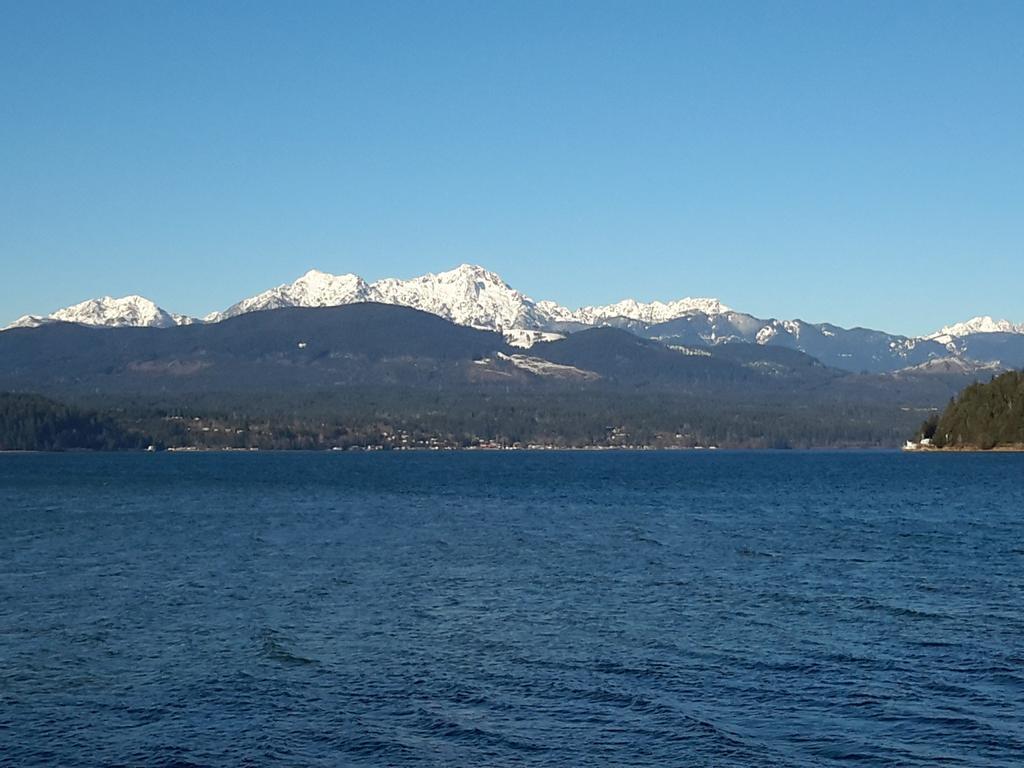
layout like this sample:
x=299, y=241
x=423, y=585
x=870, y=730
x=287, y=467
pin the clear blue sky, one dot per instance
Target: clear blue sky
x=856, y=162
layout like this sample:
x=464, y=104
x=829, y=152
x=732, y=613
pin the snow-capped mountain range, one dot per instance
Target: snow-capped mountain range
x=983, y=324
x=108, y=312
x=471, y=295
x=467, y=295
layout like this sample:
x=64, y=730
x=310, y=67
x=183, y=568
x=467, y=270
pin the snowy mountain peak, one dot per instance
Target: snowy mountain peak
x=109, y=312
x=313, y=289
x=471, y=295
x=980, y=324
x=472, y=276
x=653, y=312
x=474, y=271
x=322, y=286
x=468, y=295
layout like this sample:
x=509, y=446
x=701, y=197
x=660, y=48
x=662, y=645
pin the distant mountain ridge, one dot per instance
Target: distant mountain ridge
x=108, y=312
x=375, y=345
x=981, y=324
x=467, y=295
x=473, y=296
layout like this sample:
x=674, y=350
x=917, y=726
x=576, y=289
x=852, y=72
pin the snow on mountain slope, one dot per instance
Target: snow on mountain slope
x=471, y=295
x=108, y=312
x=852, y=349
x=981, y=324
x=524, y=339
x=29, y=321
x=653, y=312
x=541, y=367
x=953, y=365
x=313, y=289
x=468, y=295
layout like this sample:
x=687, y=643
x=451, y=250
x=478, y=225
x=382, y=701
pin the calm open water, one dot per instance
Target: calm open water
x=583, y=609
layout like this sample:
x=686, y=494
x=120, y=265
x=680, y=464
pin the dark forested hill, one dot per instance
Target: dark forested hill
x=295, y=350
x=622, y=358
x=356, y=373
x=984, y=416
x=281, y=350
x=33, y=423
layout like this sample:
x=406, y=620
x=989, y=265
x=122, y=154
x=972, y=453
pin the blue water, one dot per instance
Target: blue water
x=584, y=609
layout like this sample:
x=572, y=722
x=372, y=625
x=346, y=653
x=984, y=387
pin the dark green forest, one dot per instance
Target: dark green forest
x=397, y=418
x=376, y=376
x=985, y=415
x=33, y=423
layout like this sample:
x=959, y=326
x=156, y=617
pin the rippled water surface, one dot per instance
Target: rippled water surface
x=586, y=609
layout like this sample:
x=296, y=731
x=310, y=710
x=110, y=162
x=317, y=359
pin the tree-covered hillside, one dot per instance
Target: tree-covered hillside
x=370, y=375
x=33, y=423
x=983, y=416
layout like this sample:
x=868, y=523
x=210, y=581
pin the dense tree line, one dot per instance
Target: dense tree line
x=414, y=417
x=400, y=417
x=984, y=415
x=33, y=423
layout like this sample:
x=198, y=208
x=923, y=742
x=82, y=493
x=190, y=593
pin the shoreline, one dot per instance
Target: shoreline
x=908, y=447
x=1014, y=448
x=565, y=449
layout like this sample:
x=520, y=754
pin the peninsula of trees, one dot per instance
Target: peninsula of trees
x=984, y=416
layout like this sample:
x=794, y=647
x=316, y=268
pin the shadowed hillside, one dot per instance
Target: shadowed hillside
x=373, y=374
